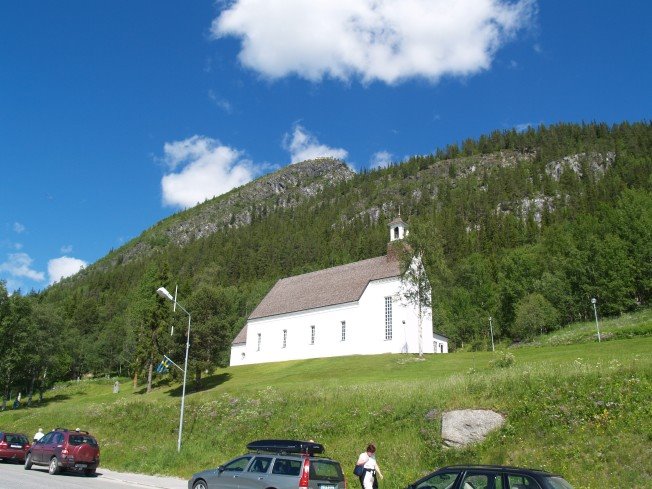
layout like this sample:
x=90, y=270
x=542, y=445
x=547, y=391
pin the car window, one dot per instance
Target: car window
x=522, y=482
x=82, y=439
x=57, y=439
x=260, y=465
x=17, y=439
x=284, y=466
x=47, y=438
x=438, y=481
x=481, y=481
x=327, y=470
x=556, y=482
x=237, y=465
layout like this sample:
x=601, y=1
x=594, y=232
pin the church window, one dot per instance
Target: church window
x=388, y=318
x=343, y=330
x=259, y=340
x=312, y=335
x=285, y=338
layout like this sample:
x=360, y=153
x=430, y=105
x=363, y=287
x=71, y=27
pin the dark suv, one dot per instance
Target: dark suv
x=489, y=477
x=281, y=464
x=62, y=449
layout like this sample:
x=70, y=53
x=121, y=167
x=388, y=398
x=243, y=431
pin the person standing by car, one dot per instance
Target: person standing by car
x=368, y=461
x=38, y=435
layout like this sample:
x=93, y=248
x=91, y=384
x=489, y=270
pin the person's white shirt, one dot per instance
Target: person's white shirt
x=370, y=461
x=38, y=435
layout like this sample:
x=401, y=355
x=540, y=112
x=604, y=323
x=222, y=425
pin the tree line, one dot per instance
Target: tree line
x=516, y=241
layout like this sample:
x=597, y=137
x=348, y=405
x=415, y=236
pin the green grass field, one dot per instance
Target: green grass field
x=574, y=406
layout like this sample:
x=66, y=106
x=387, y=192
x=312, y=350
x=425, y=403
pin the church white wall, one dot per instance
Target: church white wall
x=440, y=343
x=365, y=330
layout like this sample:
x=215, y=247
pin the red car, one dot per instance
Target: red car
x=63, y=449
x=13, y=446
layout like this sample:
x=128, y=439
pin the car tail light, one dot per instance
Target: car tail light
x=305, y=473
x=64, y=452
x=3, y=444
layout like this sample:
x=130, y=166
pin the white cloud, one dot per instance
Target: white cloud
x=220, y=102
x=19, y=228
x=304, y=146
x=66, y=249
x=202, y=168
x=381, y=159
x=64, y=266
x=386, y=40
x=20, y=265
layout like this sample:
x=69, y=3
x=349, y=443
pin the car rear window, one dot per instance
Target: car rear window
x=16, y=439
x=327, y=470
x=81, y=439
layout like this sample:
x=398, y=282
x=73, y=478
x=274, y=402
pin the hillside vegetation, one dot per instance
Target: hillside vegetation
x=525, y=227
x=583, y=410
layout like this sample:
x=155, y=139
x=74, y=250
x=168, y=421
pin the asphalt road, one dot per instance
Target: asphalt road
x=14, y=475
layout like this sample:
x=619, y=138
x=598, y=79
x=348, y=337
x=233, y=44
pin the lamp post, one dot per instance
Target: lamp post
x=162, y=291
x=491, y=328
x=595, y=310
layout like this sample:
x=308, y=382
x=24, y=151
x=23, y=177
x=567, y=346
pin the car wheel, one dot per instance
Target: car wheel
x=53, y=469
x=89, y=472
x=200, y=484
x=28, y=461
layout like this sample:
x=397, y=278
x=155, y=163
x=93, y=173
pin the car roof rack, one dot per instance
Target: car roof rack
x=81, y=432
x=286, y=446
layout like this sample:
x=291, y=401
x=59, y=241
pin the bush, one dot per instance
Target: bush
x=534, y=315
x=503, y=360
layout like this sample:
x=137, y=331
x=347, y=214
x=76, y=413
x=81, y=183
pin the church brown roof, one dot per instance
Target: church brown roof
x=328, y=287
x=332, y=286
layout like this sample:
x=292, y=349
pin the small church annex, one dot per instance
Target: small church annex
x=353, y=309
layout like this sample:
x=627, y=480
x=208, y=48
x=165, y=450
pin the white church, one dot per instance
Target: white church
x=353, y=309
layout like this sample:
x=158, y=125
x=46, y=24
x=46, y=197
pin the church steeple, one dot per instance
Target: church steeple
x=397, y=229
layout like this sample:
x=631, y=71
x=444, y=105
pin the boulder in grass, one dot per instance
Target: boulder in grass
x=466, y=426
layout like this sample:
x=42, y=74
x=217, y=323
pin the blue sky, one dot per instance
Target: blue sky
x=114, y=115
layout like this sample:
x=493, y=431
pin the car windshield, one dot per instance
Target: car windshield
x=81, y=439
x=17, y=439
x=327, y=470
x=443, y=480
x=556, y=482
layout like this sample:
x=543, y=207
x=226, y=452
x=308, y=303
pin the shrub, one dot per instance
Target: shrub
x=534, y=315
x=503, y=360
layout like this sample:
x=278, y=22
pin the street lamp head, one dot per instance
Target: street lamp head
x=163, y=292
x=593, y=300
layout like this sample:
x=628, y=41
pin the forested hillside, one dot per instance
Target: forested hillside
x=525, y=227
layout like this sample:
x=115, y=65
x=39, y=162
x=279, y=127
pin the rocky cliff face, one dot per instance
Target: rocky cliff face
x=284, y=188
x=294, y=184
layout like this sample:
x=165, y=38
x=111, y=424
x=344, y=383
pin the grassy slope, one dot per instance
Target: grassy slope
x=584, y=410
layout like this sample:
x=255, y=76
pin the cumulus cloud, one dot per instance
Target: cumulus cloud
x=304, y=146
x=64, y=266
x=202, y=168
x=20, y=265
x=385, y=40
x=19, y=228
x=381, y=159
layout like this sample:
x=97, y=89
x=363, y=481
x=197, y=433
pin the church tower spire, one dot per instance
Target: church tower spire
x=397, y=229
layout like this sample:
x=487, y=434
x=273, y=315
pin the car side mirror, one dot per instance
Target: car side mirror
x=220, y=468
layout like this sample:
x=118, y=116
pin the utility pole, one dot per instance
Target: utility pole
x=595, y=311
x=491, y=328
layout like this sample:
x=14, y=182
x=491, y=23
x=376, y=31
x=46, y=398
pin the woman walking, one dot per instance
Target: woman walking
x=368, y=461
